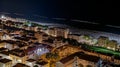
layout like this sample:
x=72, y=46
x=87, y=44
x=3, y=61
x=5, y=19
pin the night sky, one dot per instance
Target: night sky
x=100, y=11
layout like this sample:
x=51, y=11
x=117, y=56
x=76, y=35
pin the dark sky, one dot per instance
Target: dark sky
x=101, y=11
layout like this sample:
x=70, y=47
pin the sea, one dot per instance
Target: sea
x=71, y=23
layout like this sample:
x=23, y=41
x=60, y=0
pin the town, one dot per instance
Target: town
x=28, y=44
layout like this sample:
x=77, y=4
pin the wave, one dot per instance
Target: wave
x=84, y=21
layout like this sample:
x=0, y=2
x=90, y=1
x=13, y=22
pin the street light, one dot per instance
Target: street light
x=2, y=16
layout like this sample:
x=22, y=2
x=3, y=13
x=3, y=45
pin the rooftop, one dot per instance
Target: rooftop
x=20, y=65
x=2, y=49
x=5, y=60
x=41, y=62
x=81, y=55
x=18, y=52
x=31, y=60
x=5, y=52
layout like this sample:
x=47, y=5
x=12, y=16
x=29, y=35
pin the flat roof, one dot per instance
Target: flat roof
x=18, y=52
x=41, y=62
x=5, y=52
x=20, y=65
x=5, y=60
x=80, y=55
x=31, y=60
x=2, y=49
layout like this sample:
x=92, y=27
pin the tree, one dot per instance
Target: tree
x=52, y=58
x=35, y=65
x=72, y=42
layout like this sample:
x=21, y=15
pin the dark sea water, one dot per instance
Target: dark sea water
x=79, y=25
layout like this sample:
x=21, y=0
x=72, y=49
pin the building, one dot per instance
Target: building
x=5, y=37
x=18, y=56
x=103, y=41
x=5, y=63
x=3, y=49
x=51, y=31
x=30, y=62
x=1, y=33
x=82, y=60
x=9, y=44
x=66, y=50
x=57, y=31
x=57, y=42
x=35, y=51
x=22, y=43
x=112, y=44
x=39, y=36
x=83, y=39
x=5, y=54
x=42, y=63
x=20, y=65
x=74, y=36
x=32, y=28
